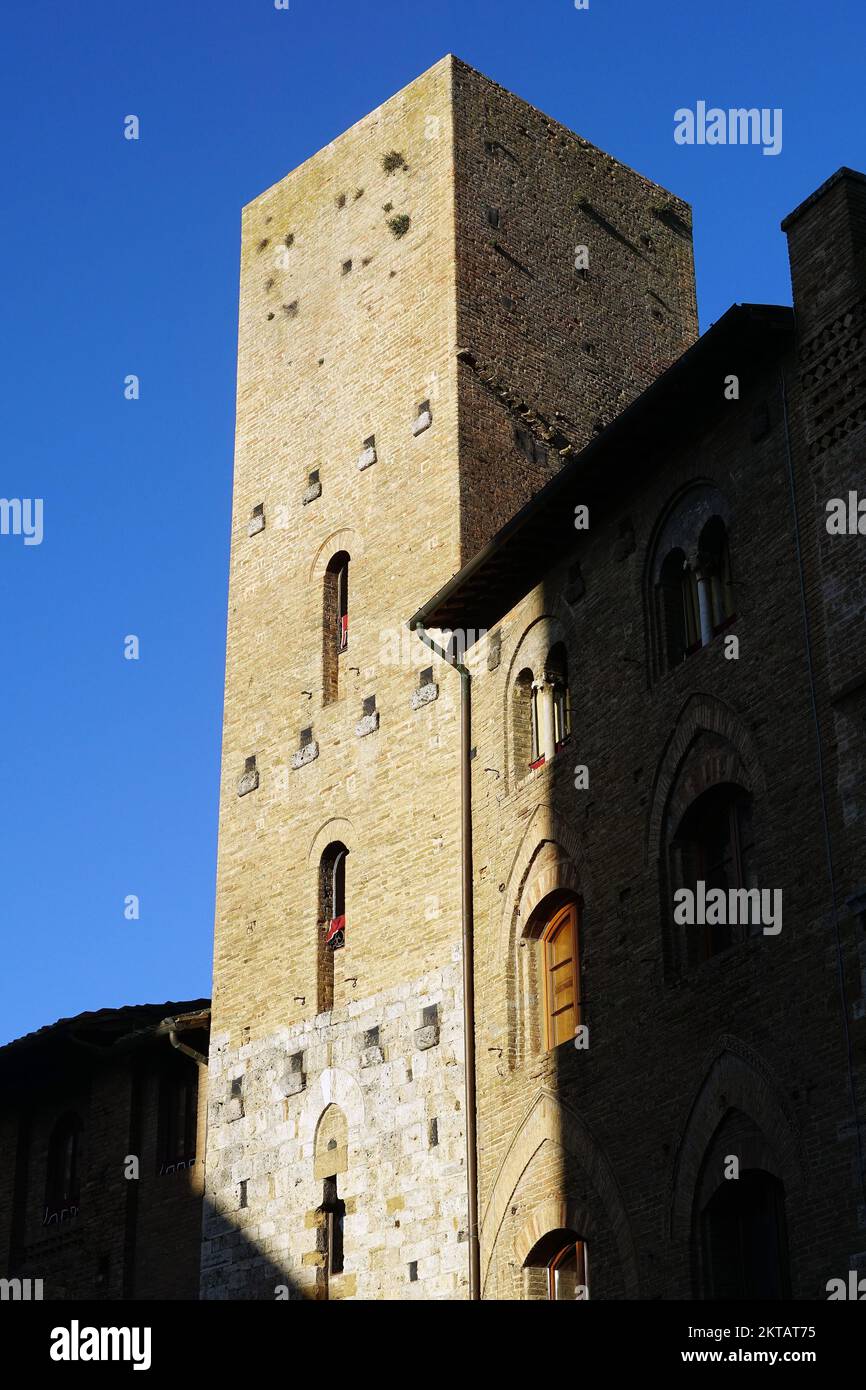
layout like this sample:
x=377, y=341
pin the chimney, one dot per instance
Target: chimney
x=827, y=250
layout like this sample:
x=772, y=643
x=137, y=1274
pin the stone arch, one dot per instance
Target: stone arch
x=736, y=1078
x=531, y=877
x=736, y=1134
x=346, y=538
x=549, y=1119
x=335, y=828
x=332, y=1087
x=682, y=520
x=552, y=873
x=678, y=530
x=545, y=868
x=552, y=1215
x=701, y=713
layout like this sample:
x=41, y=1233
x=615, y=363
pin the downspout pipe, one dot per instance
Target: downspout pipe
x=468, y=943
x=171, y=1026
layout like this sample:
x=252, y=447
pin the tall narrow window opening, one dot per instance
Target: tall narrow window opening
x=63, y=1178
x=716, y=557
x=557, y=676
x=333, y=1212
x=332, y=919
x=178, y=1098
x=524, y=723
x=335, y=624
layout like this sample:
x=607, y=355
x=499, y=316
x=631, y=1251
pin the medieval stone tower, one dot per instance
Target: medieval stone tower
x=411, y=297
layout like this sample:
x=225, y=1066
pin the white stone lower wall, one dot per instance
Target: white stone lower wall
x=405, y=1195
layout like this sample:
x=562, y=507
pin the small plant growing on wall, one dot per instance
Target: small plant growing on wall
x=400, y=224
x=393, y=161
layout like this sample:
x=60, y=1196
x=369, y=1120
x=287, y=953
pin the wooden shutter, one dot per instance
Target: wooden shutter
x=561, y=977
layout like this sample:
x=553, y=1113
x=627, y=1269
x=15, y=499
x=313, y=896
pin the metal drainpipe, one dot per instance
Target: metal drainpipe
x=467, y=915
x=169, y=1025
x=822, y=786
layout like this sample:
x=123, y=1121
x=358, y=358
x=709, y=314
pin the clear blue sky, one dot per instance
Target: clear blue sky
x=122, y=257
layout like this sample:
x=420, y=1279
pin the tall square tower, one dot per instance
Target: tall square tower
x=436, y=310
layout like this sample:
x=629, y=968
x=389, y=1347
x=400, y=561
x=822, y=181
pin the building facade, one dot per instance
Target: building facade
x=395, y=289
x=670, y=701
x=102, y=1155
x=468, y=367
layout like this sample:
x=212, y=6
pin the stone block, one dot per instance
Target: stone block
x=426, y=1037
x=422, y=422
x=248, y=782
x=307, y=754
x=424, y=694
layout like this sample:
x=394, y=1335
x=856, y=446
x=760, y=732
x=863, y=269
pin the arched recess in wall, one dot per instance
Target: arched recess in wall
x=699, y=714
x=331, y=1143
x=529, y=664
x=345, y=538
x=552, y=884
x=556, y=1267
x=692, y=538
x=704, y=812
x=737, y=1082
x=545, y=871
x=332, y=1087
x=549, y=1120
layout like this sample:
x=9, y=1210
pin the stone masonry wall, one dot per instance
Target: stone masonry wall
x=402, y=1178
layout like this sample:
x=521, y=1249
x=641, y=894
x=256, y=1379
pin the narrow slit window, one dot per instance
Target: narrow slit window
x=335, y=624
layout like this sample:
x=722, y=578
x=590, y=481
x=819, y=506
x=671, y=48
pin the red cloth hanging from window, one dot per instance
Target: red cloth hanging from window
x=344, y=631
x=336, y=932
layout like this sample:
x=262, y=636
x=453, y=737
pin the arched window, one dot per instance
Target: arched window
x=335, y=623
x=556, y=672
x=330, y=1160
x=332, y=918
x=692, y=592
x=560, y=968
x=743, y=1239
x=557, y=1268
x=715, y=563
x=542, y=712
x=679, y=609
x=714, y=845
x=63, y=1178
x=525, y=723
